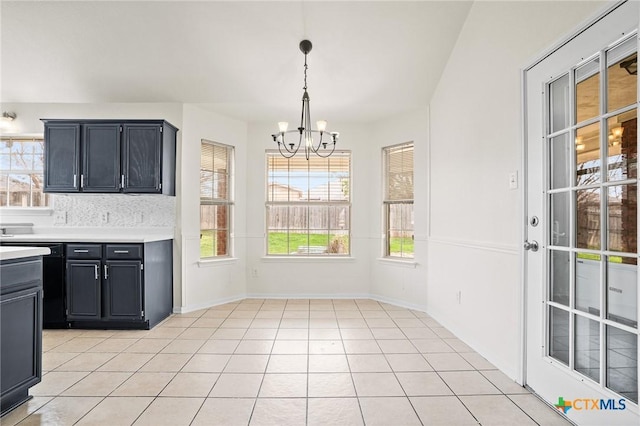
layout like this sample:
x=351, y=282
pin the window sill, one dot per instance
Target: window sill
x=307, y=259
x=398, y=262
x=206, y=263
x=26, y=211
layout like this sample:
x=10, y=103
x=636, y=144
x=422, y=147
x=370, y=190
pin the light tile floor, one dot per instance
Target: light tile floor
x=276, y=362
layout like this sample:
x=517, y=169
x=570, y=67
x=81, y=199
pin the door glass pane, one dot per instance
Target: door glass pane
x=588, y=155
x=560, y=219
x=622, y=362
x=587, y=347
x=622, y=147
x=622, y=290
x=559, y=94
x=588, y=91
x=623, y=218
x=560, y=277
x=588, y=283
x=588, y=219
x=560, y=156
x=559, y=330
x=622, y=70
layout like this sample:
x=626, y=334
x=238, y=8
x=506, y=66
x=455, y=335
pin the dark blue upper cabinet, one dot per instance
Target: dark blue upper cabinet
x=101, y=158
x=62, y=157
x=141, y=162
x=133, y=156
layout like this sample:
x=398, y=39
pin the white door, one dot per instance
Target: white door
x=581, y=204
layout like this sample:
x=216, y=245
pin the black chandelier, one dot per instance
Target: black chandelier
x=322, y=148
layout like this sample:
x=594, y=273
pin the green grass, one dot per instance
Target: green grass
x=592, y=256
x=207, y=244
x=401, y=246
x=278, y=241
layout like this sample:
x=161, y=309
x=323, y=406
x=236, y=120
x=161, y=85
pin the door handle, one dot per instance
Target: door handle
x=97, y=273
x=106, y=272
x=533, y=245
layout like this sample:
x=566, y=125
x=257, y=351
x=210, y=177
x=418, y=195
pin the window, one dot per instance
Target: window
x=21, y=173
x=398, y=200
x=308, y=205
x=215, y=199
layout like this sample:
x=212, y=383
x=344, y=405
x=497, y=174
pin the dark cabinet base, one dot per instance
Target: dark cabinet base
x=13, y=400
x=111, y=325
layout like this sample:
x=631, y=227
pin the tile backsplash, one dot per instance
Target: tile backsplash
x=113, y=210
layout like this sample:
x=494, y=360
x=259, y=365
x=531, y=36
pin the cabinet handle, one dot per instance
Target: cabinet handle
x=121, y=181
x=97, y=273
x=106, y=272
x=81, y=251
x=121, y=251
x=75, y=180
x=81, y=181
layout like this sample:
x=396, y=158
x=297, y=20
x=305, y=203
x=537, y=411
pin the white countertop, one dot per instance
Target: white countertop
x=87, y=235
x=7, y=253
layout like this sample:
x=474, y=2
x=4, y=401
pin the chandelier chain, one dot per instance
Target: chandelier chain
x=305, y=72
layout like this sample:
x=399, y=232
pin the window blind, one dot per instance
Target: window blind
x=399, y=173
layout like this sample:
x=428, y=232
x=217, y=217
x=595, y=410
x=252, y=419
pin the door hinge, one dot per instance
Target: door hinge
x=142, y=266
x=160, y=186
x=120, y=129
x=67, y=311
x=142, y=313
x=160, y=129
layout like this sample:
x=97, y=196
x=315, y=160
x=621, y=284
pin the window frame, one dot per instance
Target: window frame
x=227, y=202
x=30, y=209
x=387, y=203
x=309, y=203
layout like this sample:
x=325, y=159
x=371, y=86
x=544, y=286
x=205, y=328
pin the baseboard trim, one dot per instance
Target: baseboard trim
x=306, y=296
x=206, y=305
x=397, y=302
x=236, y=298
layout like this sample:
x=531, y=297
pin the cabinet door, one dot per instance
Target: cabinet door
x=101, y=158
x=21, y=340
x=142, y=158
x=123, y=289
x=83, y=290
x=62, y=157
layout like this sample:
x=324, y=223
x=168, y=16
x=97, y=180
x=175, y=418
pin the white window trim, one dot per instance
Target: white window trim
x=27, y=211
x=388, y=258
x=216, y=260
x=313, y=258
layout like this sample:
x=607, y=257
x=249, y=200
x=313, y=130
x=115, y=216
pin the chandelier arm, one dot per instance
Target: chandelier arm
x=333, y=148
x=287, y=153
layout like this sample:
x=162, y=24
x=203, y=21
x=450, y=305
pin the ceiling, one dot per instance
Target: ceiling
x=370, y=60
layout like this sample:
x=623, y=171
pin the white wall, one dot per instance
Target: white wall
x=404, y=283
x=213, y=282
x=475, y=137
x=279, y=277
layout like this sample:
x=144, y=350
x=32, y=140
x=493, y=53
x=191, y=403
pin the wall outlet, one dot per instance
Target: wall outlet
x=254, y=273
x=60, y=217
x=459, y=296
x=104, y=217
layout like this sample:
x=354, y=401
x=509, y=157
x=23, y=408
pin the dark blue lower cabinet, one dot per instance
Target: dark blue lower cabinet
x=119, y=286
x=123, y=288
x=20, y=330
